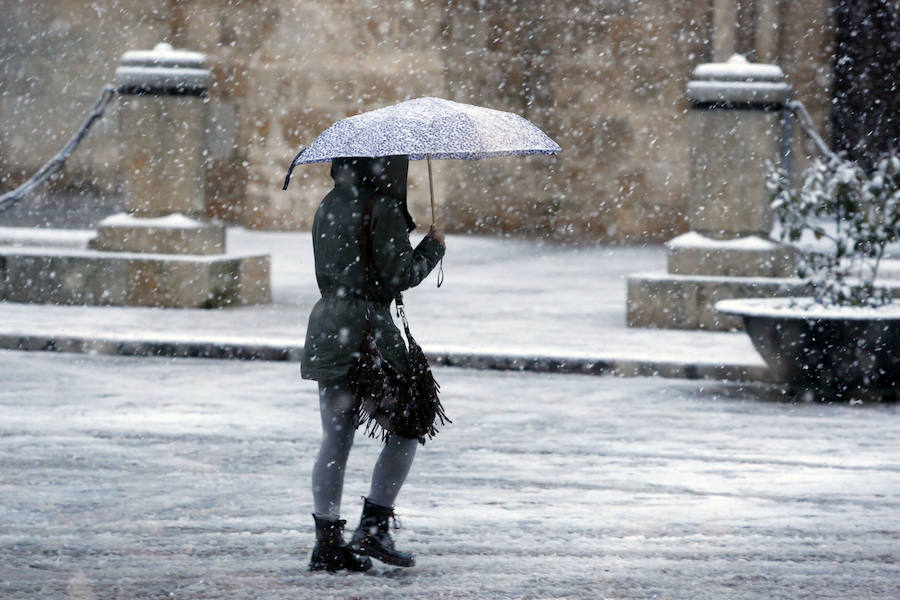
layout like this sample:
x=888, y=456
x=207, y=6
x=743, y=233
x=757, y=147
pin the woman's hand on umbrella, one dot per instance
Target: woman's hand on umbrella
x=438, y=235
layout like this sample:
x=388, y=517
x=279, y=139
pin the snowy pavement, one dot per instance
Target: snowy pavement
x=505, y=303
x=128, y=477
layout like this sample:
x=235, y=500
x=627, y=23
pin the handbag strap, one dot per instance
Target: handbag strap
x=365, y=248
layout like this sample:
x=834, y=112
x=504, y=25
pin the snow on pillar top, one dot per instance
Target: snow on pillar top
x=738, y=82
x=163, y=71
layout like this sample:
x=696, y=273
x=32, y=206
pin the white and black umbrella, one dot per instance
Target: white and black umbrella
x=427, y=128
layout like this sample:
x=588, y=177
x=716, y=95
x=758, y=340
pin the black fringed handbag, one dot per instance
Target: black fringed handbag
x=391, y=402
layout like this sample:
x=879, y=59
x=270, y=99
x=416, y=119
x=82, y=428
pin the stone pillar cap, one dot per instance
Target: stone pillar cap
x=738, y=81
x=163, y=70
x=738, y=68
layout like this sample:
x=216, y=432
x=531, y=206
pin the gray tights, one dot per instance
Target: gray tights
x=336, y=405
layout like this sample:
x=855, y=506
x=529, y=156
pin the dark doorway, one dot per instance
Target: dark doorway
x=866, y=115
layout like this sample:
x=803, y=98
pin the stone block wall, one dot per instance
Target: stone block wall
x=605, y=78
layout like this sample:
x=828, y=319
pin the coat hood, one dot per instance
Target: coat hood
x=384, y=175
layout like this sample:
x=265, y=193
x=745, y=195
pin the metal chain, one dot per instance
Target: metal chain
x=56, y=164
x=798, y=110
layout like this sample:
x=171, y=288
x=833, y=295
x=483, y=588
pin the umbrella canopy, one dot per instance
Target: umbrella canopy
x=428, y=128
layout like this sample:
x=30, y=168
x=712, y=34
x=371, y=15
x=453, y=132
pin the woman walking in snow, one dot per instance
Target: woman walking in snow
x=368, y=200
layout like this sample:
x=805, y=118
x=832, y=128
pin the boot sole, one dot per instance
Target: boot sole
x=381, y=556
x=325, y=567
x=333, y=566
x=313, y=567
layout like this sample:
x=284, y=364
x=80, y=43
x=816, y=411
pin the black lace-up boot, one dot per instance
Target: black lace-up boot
x=330, y=552
x=373, y=537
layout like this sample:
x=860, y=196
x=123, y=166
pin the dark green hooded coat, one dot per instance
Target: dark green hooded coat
x=338, y=320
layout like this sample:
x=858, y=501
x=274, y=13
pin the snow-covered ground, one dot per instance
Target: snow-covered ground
x=161, y=478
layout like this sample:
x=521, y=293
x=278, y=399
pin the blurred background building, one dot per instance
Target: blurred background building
x=604, y=78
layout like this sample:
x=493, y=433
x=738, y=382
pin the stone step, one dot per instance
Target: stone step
x=667, y=301
x=67, y=276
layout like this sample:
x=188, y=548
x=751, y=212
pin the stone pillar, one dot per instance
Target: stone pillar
x=162, y=126
x=162, y=122
x=736, y=127
x=736, y=112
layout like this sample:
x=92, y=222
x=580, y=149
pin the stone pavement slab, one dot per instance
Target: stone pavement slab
x=505, y=304
x=154, y=478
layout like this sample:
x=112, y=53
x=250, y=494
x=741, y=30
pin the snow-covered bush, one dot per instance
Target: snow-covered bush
x=856, y=214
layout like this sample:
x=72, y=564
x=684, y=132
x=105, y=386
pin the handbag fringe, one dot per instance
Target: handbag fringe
x=427, y=406
x=391, y=403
